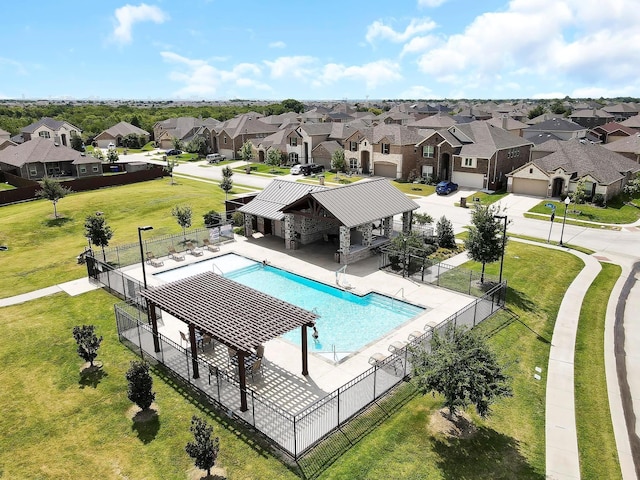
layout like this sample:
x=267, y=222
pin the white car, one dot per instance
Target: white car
x=111, y=146
x=215, y=158
x=296, y=170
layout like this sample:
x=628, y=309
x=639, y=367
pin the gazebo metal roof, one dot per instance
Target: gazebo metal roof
x=234, y=314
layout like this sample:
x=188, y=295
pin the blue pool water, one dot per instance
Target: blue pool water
x=346, y=320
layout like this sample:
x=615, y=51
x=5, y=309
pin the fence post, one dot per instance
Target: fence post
x=438, y=277
x=375, y=375
x=470, y=277
x=218, y=383
x=475, y=311
x=338, y=423
x=139, y=341
x=295, y=439
x=253, y=408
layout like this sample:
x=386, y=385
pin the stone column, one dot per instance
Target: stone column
x=387, y=225
x=345, y=243
x=289, y=230
x=367, y=234
x=406, y=222
x=248, y=225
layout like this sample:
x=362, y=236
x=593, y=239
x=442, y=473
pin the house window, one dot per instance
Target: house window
x=95, y=168
x=293, y=158
x=513, y=153
x=293, y=141
x=224, y=140
x=83, y=169
x=353, y=163
x=427, y=151
x=365, y=144
x=44, y=134
x=427, y=171
x=33, y=171
x=469, y=162
x=385, y=148
x=353, y=146
x=531, y=170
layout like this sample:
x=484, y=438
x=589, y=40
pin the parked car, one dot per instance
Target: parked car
x=310, y=168
x=296, y=169
x=215, y=157
x=446, y=187
x=173, y=151
x=111, y=145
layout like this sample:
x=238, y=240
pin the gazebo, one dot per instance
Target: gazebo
x=233, y=314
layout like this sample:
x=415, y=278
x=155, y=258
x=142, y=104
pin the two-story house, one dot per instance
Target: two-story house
x=233, y=133
x=58, y=131
x=185, y=129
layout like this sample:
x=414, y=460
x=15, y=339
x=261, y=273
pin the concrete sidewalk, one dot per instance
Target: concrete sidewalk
x=72, y=288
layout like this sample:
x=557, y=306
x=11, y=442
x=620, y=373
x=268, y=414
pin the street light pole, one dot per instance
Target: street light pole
x=504, y=240
x=567, y=201
x=405, y=270
x=144, y=273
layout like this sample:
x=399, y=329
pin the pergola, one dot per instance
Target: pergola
x=233, y=314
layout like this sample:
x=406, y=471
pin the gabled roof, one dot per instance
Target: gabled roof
x=585, y=158
x=620, y=108
x=50, y=123
x=633, y=122
x=556, y=124
x=316, y=128
x=43, y=151
x=359, y=203
x=279, y=193
x=507, y=123
x=434, y=121
x=393, y=133
x=486, y=139
x=615, y=127
x=124, y=129
x=590, y=113
x=329, y=146
x=630, y=144
x=540, y=137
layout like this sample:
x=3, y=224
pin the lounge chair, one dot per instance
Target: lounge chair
x=153, y=261
x=175, y=255
x=379, y=360
x=256, y=367
x=193, y=250
x=210, y=246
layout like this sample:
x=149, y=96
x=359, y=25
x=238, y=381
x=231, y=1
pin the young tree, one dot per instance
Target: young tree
x=632, y=187
x=227, y=183
x=98, y=155
x=183, y=217
x=274, y=157
x=535, y=112
x=77, y=143
x=444, y=233
x=177, y=143
x=212, y=218
x=88, y=342
x=203, y=449
x=338, y=161
x=98, y=232
x=484, y=242
x=422, y=218
x=169, y=167
x=197, y=145
x=53, y=191
x=580, y=193
x=462, y=367
x=112, y=155
x=246, y=151
x=131, y=140
x=139, y=390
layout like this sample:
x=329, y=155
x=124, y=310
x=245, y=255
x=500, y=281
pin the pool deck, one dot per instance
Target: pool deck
x=283, y=359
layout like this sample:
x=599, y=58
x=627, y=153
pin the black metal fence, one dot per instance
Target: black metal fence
x=294, y=433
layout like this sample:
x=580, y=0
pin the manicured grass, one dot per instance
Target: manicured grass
x=578, y=223
x=553, y=242
x=263, y=168
x=42, y=250
x=486, y=198
x=414, y=188
x=6, y=186
x=56, y=425
x=596, y=441
x=616, y=212
x=510, y=443
x=334, y=178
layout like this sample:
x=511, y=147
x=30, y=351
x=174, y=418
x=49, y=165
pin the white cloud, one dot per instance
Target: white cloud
x=201, y=79
x=430, y=3
x=372, y=74
x=419, y=44
x=278, y=44
x=379, y=30
x=295, y=66
x=129, y=15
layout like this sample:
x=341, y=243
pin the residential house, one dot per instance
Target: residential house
x=627, y=147
x=118, y=132
x=475, y=154
x=557, y=166
x=5, y=139
x=622, y=111
x=591, y=118
x=233, y=133
x=184, y=129
x=314, y=134
x=433, y=122
x=560, y=128
x=323, y=154
x=632, y=122
x=286, y=140
x=57, y=131
x=40, y=157
x=613, y=131
x=509, y=124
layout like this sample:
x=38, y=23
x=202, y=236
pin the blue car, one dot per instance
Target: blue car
x=446, y=187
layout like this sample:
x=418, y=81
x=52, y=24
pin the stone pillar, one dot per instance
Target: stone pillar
x=289, y=231
x=248, y=225
x=406, y=222
x=367, y=234
x=387, y=225
x=345, y=243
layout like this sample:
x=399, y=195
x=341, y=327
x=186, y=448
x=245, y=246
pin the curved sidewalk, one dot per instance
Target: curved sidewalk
x=72, y=288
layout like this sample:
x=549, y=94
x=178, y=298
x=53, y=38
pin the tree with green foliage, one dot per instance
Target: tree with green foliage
x=53, y=191
x=112, y=155
x=212, y=218
x=177, y=143
x=535, y=112
x=88, y=342
x=77, y=143
x=135, y=121
x=444, y=233
x=246, y=151
x=274, y=157
x=98, y=155
x=338, y=162
x=632, y=188
x=227, y=183
x=558, y=108
x=463, y=369
x=182, y=214
x=203, y=448
x=291, y=105
x=408, y=251
x=484, y=241
x=133, y=140
x=580, y=193
x=98, y=232
x=169, y=167
x=422, y=218
x=140, y=384
x=197, y=145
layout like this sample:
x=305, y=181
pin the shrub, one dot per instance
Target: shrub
x=140, y=384
x=88, y=342
x=238, y=219
x=212, y=218
x=598, y=200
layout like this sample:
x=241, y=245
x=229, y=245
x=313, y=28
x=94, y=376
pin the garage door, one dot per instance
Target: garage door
x=385, y=170
x=464, y=179
x=528, y=186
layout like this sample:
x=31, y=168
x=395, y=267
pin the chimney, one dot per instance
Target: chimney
x=504, y=122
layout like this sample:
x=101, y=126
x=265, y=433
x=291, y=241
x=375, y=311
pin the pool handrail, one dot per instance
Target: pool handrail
x=393, y=297
x=214, y=266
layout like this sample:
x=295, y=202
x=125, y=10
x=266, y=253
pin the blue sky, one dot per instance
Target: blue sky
x=310, y=49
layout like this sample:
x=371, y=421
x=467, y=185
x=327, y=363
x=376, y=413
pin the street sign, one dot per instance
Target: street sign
x=553, y=215
x=550, y=205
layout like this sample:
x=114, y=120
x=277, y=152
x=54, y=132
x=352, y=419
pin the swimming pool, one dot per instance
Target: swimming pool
x=347, y=322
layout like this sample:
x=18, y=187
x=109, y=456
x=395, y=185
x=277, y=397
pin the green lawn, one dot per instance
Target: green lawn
x=578, y=223
x=486, y=198
x=414, y=188
x=263, y=168
x=42, y=250
x=553, y=242
x=596, y=441
x=6, y=186
x=617, y=212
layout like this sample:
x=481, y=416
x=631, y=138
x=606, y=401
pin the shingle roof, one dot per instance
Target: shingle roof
x=232, y=313
x=279, y=193
x=124, y=129
x=51, y=123
x=556, y=124
x=486, y=139
x=630, y=144
x=633, y=122
x=585, y=158
x=43, y=151
x=361, y=202
x=614, y=127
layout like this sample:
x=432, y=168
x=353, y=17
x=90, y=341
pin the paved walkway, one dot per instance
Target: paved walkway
x=73, y=288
